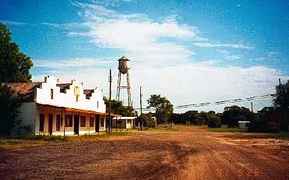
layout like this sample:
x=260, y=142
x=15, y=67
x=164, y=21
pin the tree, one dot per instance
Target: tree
x=233, y=114
x=147, y=120
x=14, y=65
x=118, y=108
x=281, y=103
x=266, y=120
x=163, y=107
x=214, y=121
x=9, y=105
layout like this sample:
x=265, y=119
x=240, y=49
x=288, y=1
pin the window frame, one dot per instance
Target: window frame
x=68, y=120
x=91, y=122
x=82, y=121
x=51, y=94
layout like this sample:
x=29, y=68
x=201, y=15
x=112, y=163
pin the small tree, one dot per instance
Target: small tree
x=118, y=108
x=147, y=120
x=163, y=106
x=214, y=121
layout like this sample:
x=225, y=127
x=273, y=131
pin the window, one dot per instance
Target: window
x=41, y=122
x=76, y=93
x=82, y=121
x=102, y=122
x=51, y=93
x=91, y=122
x=68, y=120
x=58, y=122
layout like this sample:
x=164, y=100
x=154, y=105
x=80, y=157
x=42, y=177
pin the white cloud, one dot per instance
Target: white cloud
x=222, y=45
x=15, y=23
x=71, y=63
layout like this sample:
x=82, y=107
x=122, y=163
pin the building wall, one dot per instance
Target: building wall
x=66, y=130
x=68, y=99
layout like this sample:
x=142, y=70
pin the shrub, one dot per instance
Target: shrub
x=214, y=121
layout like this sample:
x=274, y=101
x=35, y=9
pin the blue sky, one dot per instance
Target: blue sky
x=180, y=49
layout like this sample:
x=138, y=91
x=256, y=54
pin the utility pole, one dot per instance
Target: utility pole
x=252, y=107
x=109, y=102
x=140, y=102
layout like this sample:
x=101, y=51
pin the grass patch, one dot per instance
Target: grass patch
x=226, y=130
x=163, y=128
x=9, y=143
x=98, y=136
x=27, y=141
x=281, y=135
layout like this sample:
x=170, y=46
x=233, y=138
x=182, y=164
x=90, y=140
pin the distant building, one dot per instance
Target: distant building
x=53, y=108
x=244, y=124
x=123, y=122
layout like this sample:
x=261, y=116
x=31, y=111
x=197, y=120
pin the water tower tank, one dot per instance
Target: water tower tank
x=123, y=65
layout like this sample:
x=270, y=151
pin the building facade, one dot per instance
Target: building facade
x=53, y=108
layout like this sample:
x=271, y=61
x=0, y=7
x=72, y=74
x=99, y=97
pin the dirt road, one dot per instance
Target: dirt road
x=190, y=153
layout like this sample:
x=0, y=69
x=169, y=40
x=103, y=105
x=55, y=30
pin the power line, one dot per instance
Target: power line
x=220, y=102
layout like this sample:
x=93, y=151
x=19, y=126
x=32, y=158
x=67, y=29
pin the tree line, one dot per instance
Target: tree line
x=269, y=119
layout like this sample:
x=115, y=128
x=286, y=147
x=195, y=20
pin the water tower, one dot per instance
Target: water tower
x=123, y=71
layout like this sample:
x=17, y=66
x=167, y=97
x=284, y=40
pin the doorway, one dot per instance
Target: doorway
x=76, y=124
x=50, y=123
x=97, y=117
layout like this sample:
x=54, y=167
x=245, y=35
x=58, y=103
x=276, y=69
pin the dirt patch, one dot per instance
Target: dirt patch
x=189, y=153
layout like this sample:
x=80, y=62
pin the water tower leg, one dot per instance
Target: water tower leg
x=118, y=86
x=128, y=90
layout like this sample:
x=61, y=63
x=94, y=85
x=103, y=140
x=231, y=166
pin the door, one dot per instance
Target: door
x=97, y=117
x=50, y=124
x=58, y=122
x=76, y=124
x=41, y=123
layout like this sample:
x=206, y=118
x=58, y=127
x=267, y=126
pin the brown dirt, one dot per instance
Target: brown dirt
x=190, y=153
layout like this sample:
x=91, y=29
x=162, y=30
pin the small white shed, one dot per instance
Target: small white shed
x=244, y=124
x=124, y=122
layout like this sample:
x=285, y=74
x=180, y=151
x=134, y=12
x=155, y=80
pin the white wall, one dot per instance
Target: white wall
x=68, y=99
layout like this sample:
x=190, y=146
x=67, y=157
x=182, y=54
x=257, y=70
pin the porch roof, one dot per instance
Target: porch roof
x=66, y=109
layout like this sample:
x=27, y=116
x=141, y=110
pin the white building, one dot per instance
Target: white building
x=123, y=122
x=53, y=108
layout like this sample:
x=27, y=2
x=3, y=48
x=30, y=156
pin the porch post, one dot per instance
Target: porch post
x=63, y=121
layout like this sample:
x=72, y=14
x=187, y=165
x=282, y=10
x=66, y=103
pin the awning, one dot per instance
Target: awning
x=66, y=109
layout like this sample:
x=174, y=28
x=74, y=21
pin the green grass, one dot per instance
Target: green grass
x=281, y=135
x=226, y=130
x=30, y=141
